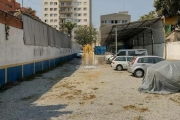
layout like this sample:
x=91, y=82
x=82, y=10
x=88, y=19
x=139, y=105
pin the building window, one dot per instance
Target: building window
x=51, y=9
x=116, y=21
x=124, y=21
x=102, y=21
x=46, y=9
x=51, y=20
x=62, y=4
x=45, y=15
x=85, y=20
x=75, y=9
x=55, y=3
x=79, y=20
x=51, y=15
x=45, y=3
x=51, y=3
x=79, y=14
x=75, y=14
x=85, y=8
x=55, y=15
x=85, y=3
x=112, y=21
x=79, y=9
x=85, y=14
x=119, y=21
x=75, y=3
x=75, y=20
x=45, y=20
x=55, y=20
x=109, y=21
x=79, y=3
x=55, y=9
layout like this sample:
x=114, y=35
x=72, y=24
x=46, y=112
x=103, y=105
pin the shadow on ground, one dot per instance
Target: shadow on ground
x=18, y=102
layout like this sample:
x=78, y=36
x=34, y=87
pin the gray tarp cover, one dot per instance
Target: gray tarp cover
x=162, y=78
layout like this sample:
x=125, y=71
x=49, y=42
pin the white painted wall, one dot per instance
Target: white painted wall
x=13, y=51
x=158, y=49
x=173, y=50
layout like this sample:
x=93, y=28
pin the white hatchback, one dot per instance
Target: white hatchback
x=121, y=62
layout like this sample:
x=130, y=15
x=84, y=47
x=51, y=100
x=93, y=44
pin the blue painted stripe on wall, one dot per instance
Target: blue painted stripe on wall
x=46, y=64
x=38, y=67
x=28, y=70
x=52, y=63
x=2, y=77
x=14, y=73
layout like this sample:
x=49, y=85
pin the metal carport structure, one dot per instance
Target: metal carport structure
x=138, y=33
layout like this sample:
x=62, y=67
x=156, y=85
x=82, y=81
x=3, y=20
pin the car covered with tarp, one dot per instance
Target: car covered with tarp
x=162, y=78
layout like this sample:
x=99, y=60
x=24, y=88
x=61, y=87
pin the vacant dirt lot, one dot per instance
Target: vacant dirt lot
x=72, y=92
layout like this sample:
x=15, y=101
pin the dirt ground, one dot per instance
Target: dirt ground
x=74, y=92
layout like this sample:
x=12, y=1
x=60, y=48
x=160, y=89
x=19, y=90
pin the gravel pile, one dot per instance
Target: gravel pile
x=72, y=92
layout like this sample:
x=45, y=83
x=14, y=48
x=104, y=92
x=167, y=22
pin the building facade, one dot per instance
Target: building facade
x=115, y=18
x=9, y=5
x=58, y=12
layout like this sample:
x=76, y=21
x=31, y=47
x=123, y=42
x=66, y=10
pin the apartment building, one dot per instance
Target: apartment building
x=9, y=5
x=115, y=18
x=58, y=12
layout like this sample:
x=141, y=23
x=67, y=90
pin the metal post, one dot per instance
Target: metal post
x=116, y=40
x=152, y=42
x=143, y=41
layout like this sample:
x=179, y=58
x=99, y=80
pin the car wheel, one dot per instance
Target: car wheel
x=119, y=67
x=139, y=73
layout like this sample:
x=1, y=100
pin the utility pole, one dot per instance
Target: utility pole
x=22, y=3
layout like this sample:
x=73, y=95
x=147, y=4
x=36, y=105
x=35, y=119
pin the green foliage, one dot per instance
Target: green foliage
x=30, y=11
x=69, y=26
x=150, y=15
x=86, y=35
x=167, y=8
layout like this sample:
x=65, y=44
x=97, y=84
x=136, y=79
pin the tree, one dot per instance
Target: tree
x=150, y=15
x=167, y=8
x=69, y=26
x=86, y=35
x=30, y=11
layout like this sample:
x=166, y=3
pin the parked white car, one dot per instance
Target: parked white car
x=80, y=54
x=121, y=62
x=107, y=56
x=139, y=64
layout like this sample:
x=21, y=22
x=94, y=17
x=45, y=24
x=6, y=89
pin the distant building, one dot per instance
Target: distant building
x=9, y=5
x=115, y=18
x=58, y=12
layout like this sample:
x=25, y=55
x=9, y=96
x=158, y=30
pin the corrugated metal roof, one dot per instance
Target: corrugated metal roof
x=125, y=31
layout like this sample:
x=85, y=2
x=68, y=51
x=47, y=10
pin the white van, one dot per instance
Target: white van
x=129, y=52
x=132, y=52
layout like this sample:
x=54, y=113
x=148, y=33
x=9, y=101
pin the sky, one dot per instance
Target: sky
x=136, y=8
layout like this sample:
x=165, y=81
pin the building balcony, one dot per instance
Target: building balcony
x=66, y=12
x=65, y=1
x=69, y=17
x=65, y=6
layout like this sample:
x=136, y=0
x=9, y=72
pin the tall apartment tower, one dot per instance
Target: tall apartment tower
x=58, y=12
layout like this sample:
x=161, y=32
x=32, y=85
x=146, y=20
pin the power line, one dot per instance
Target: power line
x=35, y=3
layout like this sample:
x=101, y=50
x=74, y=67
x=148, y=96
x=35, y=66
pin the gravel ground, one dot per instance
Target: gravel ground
x=72, y=92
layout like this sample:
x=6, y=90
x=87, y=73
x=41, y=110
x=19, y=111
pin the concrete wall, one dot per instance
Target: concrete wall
x=19, y=60
x=158, y=49
x=173, y=49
